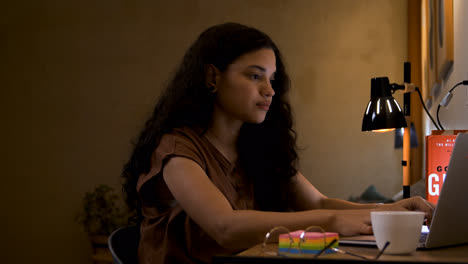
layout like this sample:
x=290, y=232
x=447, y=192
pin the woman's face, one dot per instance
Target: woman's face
x=244, y=90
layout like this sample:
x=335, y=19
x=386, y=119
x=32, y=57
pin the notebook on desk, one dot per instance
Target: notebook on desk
x=449, y=222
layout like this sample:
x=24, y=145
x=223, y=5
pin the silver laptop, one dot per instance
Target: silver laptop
x=449, y=222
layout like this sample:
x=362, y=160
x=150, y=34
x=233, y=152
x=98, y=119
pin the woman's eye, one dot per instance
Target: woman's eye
x=255, y=76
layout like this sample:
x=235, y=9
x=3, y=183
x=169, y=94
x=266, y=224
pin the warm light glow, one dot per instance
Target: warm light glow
x=378, y=106
x=389, y=106
x=383, y=130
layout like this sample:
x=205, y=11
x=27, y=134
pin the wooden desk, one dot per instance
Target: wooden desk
x=456, y=254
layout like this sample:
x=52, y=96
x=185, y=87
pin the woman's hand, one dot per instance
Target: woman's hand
x=411, y=204
x=357, y=222
x=351, y=222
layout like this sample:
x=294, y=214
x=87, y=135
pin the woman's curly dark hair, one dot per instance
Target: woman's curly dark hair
x=266, y=151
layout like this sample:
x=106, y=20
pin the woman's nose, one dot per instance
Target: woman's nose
x=267, y=89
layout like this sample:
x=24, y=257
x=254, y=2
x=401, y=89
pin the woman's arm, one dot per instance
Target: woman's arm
x=309, y=198
x=209, y=208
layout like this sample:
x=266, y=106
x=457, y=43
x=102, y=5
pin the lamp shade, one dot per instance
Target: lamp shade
x=383, y=112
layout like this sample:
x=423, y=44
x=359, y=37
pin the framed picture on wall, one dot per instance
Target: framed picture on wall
x=431, y=86
x=444, y=37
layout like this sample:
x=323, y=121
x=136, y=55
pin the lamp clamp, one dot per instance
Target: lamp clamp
x=406, y=87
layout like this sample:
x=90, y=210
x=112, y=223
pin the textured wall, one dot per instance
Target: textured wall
x=78, y=79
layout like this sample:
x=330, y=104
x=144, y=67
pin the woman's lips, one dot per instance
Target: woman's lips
x=264, y=106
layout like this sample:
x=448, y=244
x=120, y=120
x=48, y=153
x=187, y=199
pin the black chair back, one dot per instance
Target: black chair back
x=123, y=245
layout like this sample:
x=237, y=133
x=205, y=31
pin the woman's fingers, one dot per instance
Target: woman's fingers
x=429, y=210
x=366, y=229
x=419, y=204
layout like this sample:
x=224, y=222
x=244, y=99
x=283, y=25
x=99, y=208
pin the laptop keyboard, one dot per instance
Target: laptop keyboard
x=423, y=237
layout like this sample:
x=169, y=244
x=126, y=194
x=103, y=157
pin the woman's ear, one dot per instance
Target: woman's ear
x=211, y=76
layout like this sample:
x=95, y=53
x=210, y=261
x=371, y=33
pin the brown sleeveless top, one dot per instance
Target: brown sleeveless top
x=168, y=234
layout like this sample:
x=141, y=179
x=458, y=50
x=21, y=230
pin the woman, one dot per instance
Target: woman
x=215, y=167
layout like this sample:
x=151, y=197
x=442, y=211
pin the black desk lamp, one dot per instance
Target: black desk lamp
x=384, y=114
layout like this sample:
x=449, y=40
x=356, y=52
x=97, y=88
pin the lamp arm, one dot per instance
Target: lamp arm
x=395, y=86
x=406, y=87
x=409, y=88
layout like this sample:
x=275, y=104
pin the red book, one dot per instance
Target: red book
x=439, y=148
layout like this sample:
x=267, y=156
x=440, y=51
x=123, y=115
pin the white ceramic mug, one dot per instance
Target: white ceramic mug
x=401, y=228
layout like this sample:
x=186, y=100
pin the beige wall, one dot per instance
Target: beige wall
x=78, y=79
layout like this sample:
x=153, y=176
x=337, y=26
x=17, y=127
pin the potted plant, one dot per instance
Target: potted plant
x=100, y=215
